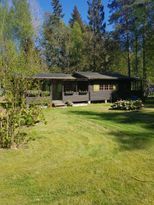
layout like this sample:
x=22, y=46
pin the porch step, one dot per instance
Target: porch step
x=58, y=103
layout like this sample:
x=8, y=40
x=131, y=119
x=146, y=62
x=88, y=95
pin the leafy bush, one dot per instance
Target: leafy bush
x=127, y=105
x=31, y=116
x=45, y=93
x=13, y=120
x=39, y=101
x=14, y=114
x=9, y=124
x=33, y=93
x=37, y=93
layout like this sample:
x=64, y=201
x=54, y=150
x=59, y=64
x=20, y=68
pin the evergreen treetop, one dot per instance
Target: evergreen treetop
x=76, y=17
x=96, y=16
x=57, y=9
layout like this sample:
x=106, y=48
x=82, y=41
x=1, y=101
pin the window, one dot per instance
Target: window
x=82, y=86
x=70, y=86
x=135, y=86
x=110, y=87
x=106, y=87
x=96, y=88
x=102, y=87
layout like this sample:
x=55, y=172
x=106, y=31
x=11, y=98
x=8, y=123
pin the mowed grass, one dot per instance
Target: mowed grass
x=83, y=156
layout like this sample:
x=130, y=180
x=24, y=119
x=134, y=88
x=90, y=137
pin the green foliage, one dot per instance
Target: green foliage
x=133, y=22
x=23, y=29
x=98, y=57
x=96, y=16
x=36, y=93
x=56, y=43
x=57, y=9
x=12, y=122
x=76, y=17
x=31, y=116
x=127, y=105
x=18, y=53
x=39, y=101
x=76, y=47
x=15, y=114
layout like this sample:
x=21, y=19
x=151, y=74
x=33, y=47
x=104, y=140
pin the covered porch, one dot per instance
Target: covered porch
x=75, y=91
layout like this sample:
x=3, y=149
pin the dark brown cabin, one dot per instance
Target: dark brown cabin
x=90, y=86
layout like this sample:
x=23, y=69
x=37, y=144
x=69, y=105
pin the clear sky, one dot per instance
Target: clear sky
x=68, y=7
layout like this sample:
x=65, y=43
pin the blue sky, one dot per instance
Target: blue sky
x=68, y=7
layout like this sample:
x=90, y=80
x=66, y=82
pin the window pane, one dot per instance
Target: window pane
x=106, y=87
x=101, y=87
x=96, y=88
x=110, y=87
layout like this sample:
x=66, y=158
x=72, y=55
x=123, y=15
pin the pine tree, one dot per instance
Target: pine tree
x=97, y=50
x=56, y=38
x=76, y=48
x=76, y=17
x=96, y=16
x=133, y=20
x=57, y=9
x=123, y=19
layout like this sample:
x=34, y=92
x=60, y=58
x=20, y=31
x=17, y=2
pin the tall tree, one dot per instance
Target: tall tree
x=144, y=13
x=96, y=16
x=76, y=47
x=23, y=28
x=121, y=16
x=56, y=42
x=97, y=26
x=76, y=17
x=134, y=30
x=56, y=39
x=17, y=47
x=57, y=9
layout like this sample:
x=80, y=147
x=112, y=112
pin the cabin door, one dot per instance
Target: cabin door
x=57, y=91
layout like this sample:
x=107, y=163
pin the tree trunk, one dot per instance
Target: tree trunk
x=128, y=56
x=94, y=56
x=136, y=55
x=144, y=59
x=145, y=83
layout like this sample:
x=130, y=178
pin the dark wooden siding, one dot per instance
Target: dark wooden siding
x=76, y=97
x=103, y=94
x=123, y=91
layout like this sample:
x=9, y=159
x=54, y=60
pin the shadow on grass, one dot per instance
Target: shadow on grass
x=149, y=103
x=137, y=138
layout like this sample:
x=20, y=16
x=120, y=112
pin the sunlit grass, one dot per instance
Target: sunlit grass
x=83, y=156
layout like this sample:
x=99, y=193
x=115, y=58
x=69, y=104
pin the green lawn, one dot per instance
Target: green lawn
x=83, y=156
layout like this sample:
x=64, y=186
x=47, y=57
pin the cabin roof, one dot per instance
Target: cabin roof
x=95, y=75
x=54, y=76
x=83, y=76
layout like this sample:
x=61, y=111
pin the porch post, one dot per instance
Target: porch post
x=51, y=86
x=76, y=86
x=62, y=90
x=89, y=101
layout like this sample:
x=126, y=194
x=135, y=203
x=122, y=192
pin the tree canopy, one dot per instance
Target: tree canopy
x=78, y=45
